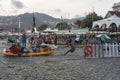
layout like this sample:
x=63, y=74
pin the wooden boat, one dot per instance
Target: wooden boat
x=43, y=53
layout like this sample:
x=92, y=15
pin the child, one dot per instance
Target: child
x=70, y=43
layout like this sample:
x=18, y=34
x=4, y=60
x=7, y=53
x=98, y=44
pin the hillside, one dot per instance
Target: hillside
x=8, y=22
x=26, y=19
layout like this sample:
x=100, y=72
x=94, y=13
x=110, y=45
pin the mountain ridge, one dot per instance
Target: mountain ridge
x=26, y=19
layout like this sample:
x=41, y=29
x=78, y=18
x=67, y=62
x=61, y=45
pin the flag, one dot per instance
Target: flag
x=62, y=18
x=34, y=24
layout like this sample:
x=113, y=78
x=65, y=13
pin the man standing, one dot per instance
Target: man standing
x=23, y=40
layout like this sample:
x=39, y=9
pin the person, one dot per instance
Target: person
x=118, y=39
x=77, y=40
x=23, y=40
x=51, y=38
x=69, y=44
x=55, y=39
x=17, y=41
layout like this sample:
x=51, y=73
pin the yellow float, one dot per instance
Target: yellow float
x=43, y=53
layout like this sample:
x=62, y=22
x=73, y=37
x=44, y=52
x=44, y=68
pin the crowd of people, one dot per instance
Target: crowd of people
x=33, y=43
x=36, y=43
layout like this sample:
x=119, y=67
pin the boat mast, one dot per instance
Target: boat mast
x=19, y=26
x=34, y=24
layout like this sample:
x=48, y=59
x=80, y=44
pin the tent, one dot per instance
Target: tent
x=107, y=22
x=51, y=30
x=103, y=36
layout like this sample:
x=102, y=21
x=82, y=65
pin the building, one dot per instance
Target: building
x=116, y=10
x=111, y=13
x=116, y=7
x=111, y=22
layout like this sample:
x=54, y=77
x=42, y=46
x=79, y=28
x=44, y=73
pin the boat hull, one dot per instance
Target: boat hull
x=47, y=53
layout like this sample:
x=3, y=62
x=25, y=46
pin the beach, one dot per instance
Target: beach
x=58, y=67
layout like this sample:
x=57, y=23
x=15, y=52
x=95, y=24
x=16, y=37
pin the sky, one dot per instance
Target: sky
x=56, y=8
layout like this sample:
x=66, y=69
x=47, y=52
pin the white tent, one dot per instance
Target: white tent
x=108, y=21
x=30, y=31
x=51, y=30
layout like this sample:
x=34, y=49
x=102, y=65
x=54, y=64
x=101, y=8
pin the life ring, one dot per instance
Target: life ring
x=88, y=50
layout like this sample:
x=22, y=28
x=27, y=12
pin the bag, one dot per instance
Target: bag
x=15, y=49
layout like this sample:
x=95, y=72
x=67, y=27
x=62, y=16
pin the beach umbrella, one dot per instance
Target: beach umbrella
x=105, y=36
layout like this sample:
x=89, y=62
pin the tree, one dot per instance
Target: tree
x=87, y=22
x=78, y=22
x=62, y=25
x=16, y=30
x=42, y=27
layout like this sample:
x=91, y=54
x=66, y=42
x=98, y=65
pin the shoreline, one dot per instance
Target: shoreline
x=56, y=67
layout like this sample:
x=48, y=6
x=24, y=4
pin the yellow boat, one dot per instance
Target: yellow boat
x=43, y=53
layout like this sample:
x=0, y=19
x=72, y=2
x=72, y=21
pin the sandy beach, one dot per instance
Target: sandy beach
x=57, y=67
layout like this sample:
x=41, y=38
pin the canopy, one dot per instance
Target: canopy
x=103, y=36
x=51, y=30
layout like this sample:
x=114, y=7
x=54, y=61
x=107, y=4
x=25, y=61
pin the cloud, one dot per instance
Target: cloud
x=10, y=11
x=17, y=4
x=55, y=10
x=0, y=3
x=77, y=16
x=14, y=11
x=58, y=10
x=100, y=0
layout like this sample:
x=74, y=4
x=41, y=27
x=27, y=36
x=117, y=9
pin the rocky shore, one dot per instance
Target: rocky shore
x=57, y=67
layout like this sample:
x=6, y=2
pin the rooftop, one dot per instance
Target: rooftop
x=114, y=12
x=116, y=4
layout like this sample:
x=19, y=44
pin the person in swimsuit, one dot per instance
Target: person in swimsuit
x=69, y=44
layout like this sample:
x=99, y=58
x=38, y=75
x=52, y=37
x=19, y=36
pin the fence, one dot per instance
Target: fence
x=105, y=50
x=62, y=39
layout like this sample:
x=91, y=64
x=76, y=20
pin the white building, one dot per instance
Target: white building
x=107, y=23
x=111, y=21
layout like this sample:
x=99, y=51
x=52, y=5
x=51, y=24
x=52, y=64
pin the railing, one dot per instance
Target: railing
x=105, y=50
x=3, y=43
x=62, y=39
